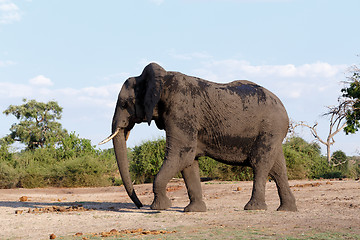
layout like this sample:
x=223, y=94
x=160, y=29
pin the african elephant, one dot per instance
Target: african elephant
x=239, y=123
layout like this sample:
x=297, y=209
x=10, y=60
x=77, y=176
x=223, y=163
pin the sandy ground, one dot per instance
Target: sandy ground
x=331, y=207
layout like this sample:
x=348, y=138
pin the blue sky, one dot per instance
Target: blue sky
x=79, y=53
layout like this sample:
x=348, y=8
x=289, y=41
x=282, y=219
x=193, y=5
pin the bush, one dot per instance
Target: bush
x=75, y=163
x=9, y=176
x=210, y=168
x=5, y=155
x=304, y=160
x=43, y=167
x=146, y=160
x=354, y=167
x=83, y=171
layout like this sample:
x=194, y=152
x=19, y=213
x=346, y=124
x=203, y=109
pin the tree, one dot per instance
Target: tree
x=336, y=124
x=351, y=97
x=38, y=126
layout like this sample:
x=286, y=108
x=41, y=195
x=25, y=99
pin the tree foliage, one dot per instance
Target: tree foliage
x=38, y=126
x=351, y=94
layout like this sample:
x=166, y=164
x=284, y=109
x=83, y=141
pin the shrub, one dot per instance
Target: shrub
x=354, y=167
x=5, y=155
x=146, y=160
x=85, y=171
x=9, y=176
x=341, y=162
x=304, y=159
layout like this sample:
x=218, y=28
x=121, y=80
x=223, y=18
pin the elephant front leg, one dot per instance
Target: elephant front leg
x=161, y=201
x=191, y=177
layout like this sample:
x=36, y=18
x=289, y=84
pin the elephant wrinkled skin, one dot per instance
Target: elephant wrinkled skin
x=239, y=123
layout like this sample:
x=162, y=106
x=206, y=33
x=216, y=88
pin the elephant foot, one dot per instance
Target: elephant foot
x=198, y=206
x=291, y=207
x=161, y=203
x=255, y=205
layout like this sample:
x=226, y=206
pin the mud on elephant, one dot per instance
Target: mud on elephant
x=239, y=123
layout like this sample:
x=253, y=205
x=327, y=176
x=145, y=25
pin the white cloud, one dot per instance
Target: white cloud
x=319, y=70
x=9, y=12
x=41, y=81
x=12, y=90
x=6, y=63
x=288, y=80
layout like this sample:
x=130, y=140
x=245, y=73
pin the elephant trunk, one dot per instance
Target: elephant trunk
x=123, y=164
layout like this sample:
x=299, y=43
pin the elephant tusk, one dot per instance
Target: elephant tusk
x=110, y=137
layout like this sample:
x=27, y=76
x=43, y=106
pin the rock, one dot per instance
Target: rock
x=19, y=211
x=52, y=236
x=24, y=199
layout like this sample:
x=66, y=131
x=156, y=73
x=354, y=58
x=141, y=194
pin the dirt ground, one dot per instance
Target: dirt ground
x=328, y=209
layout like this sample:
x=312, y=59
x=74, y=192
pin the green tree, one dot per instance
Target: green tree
x=38, y=126
x=351, y=96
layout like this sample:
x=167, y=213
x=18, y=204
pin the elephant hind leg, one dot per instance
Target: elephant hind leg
x=261, y=162
x=191, y=177
x=278, y=173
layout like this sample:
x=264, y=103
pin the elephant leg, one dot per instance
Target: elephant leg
x=278, y=173
x=257, y=200
x=191, y=177
x=261, y=162
x=178, y=156
x=166, y=173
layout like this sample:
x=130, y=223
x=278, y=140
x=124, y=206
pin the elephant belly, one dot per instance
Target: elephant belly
x=227, y=149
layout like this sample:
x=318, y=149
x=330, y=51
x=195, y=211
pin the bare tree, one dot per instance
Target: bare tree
x=337, y=123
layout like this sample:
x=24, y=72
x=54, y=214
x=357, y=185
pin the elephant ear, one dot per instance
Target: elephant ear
x=153, y=76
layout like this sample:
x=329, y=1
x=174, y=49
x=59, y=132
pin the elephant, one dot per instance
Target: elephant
x=238, y=123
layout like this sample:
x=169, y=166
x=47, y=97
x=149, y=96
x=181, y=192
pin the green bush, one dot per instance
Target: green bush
x=341, y=162
x=5, y=154
x=210, y=168
x=354, y=167
x=85, y=171
x=75, y=163
x=304, y=159
x=44, y=167
x=146, y=160
x=9, y=176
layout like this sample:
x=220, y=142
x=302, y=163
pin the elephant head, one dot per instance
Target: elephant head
x=136, y=103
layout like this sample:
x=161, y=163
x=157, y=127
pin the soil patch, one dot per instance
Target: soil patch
x=327, y=210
